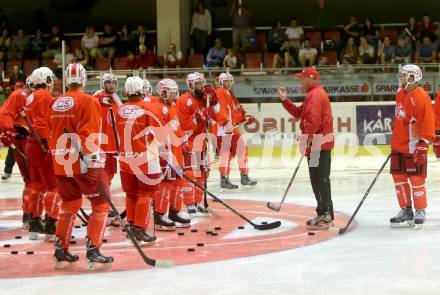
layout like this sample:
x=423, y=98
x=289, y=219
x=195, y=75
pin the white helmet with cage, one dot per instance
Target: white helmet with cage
x=43, y=76
x=194, y=78
x=108, y=77
x=413, y=74
x=134, y=86
x=148, y=90
x=225, y=77
x=76, y=74
x=168, y=90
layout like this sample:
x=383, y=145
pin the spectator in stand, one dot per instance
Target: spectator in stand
x=371, y=32
x=427, y=52
x=19, y=45
x=323, y=61
x=286, y=57
x=294, y=34
x=140, y=37
x=387, y=51
x=54, y=43
x=413, y=35
x=307, y=55
x=240, y=22
x=38, y=45
x=5, y=45
x=16, y=75
x=230, y=60
x=366, y=52
x=173, y=57
x=80, y=56
x=90, y=42
x=107, y=43
x=146, y=57
x=3, y=20
x=427, y=28
x=126, y=41
x=201, y=27
x=322, y=18
x=250, y=43
x=215, y=55
x=132, y=62
x=58, y=61
x=349, y=54
x=352, y=30
x=275, y=38
x=403, y=51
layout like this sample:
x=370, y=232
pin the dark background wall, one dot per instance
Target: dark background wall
x=28, y=13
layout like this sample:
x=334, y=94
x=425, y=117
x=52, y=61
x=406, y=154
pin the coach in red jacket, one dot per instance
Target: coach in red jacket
x=315, y=142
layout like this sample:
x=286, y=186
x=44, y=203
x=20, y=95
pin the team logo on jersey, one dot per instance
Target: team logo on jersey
x=63, y=104
x=147, y=99
x=130, y=112
x=400, y=111
x=189, y=102
x=29, y=99
x=165, y=110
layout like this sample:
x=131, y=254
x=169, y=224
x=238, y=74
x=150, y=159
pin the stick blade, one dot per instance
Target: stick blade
x=272, y=207
x=164, y=263
x=268, y=226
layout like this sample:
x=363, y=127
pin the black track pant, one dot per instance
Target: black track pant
x=9, y=162
x=319, y=171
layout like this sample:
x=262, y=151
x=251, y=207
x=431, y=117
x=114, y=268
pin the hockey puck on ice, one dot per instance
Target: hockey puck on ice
x=194, y=230
x=209, y=232
x=30, y=252
x=200, y=244
x=264, y=222
x=217, y=228
x=214, y=234
x=181, y=233
x=310, y=233
x=190, y=249
x=241, y=227
x=17, y=237
x=72, y=242
x=7, y=245
x=104, y=240
x=14, y=252
x=77, y=226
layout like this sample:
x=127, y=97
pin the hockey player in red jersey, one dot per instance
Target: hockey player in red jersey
x=14, y=131
x=413, y=129
x=230, y=143
x=44, y=186
x=148, y=92
x=194, y=113
x=79, y=173
x=138, y=159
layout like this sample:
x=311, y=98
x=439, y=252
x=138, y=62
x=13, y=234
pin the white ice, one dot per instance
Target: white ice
x=371, y=259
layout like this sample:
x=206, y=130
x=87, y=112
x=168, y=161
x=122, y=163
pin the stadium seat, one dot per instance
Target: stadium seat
x=195, y=61
x=315, y=38
x=119, y=63
x=332, y=35
x=10, y=67
x=268, y=59
x=29, y=66
x=261, y=39
x=392, y=33
x=160, y=60
x=332, y=57
x=252, y=60
x=74, y=43
x=102, y=64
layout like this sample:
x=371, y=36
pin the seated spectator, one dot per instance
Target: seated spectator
x=5, y=45
x=411, y=32
x=403, y=51
x=349, y=54
x=285, y=58
x=132, y=62
x=323, y=60
x=37, y=45
x=215, y=55
x=90, y=42
x=250, y=41
x=146, y=57
x=275, y=38
x=140, y=37
x=16, y=75
x=387, y=51
x=173, y=57
x=54, y=43
x=58, y=61
x=370, y=32
x=307, y=55
x=294, y=34
x=80, y=56
x=19, y=45
x=230, y=60
x=427, y=28
x=427, y=52
x=107, y=43
x=126, y=41
x=366, y=52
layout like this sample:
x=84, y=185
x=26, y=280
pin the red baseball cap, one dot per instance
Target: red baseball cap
x=310, y=72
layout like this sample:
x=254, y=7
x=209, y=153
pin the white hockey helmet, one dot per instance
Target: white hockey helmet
x=194, y=78
x=167, y=89
x=148, y=90
x=411, y=70
x=225, y=77
x=108, y=77
x=43, y=76
x=76, y=74
x=134, y=86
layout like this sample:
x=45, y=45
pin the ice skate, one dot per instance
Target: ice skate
x=25, y=221
x=201, y=211
x=6, y=177
x=245, y=180
x=225, y=184
x=322, y=222
x=405, y=218
x=63, y=258
x=142, y=237
x=49, y=229
x=35, y=228
x=419, y=218
x=163, y=223
x=95, y=258
x=179, y=218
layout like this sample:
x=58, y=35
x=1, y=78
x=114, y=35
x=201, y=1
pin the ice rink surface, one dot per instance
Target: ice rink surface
x=370, y=259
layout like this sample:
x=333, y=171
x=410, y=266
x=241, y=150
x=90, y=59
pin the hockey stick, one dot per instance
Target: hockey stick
x=205, y=196
x=278, y=208
x=344, y=229
x=115, y=133
x=84, y=221
x=148, y=260
x=267, y=226
x=34, y=132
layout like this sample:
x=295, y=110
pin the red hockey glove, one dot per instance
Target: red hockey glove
x=240, y=108
x=421, y=152
x=210, y=96
x=436, y=144
x=8, y=136
x=203, y=114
